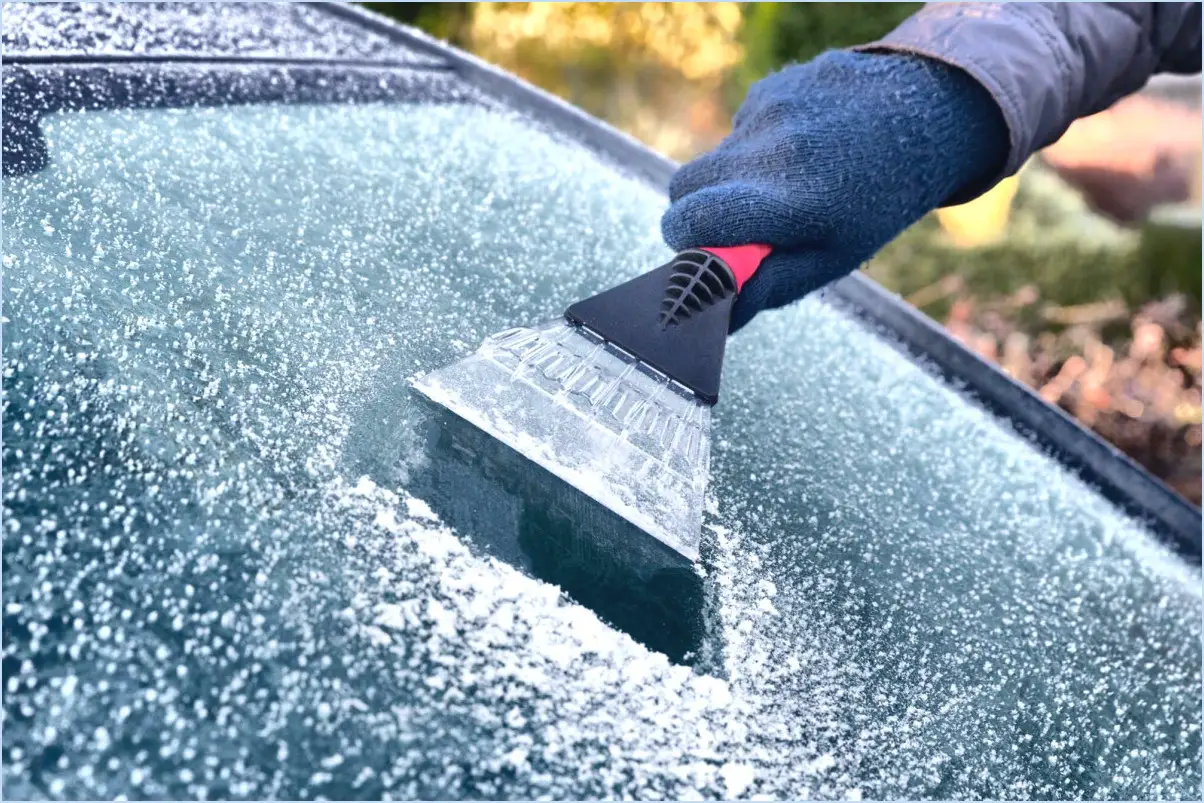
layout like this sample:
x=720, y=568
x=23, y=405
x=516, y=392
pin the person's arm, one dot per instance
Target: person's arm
x=1048, y=64
x=829, y=160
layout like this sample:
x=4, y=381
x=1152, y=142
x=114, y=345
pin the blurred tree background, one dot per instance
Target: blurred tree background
x=1080, y=277
x=776, y=34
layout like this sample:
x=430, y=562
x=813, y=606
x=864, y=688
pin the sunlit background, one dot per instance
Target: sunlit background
x=1080, y=277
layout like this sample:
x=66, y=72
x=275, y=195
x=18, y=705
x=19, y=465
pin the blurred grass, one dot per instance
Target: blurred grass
x=1051, y=242
x=1054, y=243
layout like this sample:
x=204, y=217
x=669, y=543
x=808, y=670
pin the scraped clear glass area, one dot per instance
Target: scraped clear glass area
x=222, y=578
x=594, y=417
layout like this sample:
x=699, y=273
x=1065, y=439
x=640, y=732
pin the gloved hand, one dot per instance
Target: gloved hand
x=828, y=161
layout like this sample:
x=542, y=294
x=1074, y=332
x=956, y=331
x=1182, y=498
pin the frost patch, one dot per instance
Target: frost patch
x=736, y=779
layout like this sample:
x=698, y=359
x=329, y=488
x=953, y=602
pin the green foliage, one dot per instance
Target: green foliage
x=446, y=21
x=1053, y=243
x=1065, y=268
x=776, y=34
x=1170, y=257
x=1056, y=244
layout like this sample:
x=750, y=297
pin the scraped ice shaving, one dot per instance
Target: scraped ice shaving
x=589, y=684
x=417, y=509
x=736, y=779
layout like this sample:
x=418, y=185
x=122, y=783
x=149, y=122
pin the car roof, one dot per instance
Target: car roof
x=184, y=31
x=341, y=34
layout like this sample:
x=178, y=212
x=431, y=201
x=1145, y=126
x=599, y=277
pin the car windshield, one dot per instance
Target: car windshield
x=219, y=580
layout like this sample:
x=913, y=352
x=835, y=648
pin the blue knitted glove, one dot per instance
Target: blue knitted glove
x=828, y=161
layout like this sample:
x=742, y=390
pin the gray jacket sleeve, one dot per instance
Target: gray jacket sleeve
x=1048, y=64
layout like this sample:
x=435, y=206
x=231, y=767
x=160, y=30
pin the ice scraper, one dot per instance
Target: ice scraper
x=614, y=398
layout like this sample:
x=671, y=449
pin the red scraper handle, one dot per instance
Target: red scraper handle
x=742, y=259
